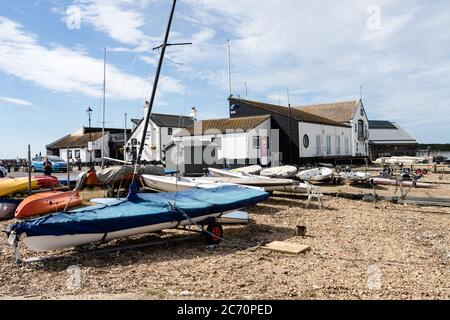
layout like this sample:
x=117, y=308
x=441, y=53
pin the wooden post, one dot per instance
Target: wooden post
x=29, y=170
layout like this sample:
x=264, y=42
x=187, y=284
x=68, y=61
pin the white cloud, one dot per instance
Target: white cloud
x=61, y=69
x=122, y=20
x=16, y=101
x=325, y=50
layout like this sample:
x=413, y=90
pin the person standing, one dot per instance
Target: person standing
x=48, y=168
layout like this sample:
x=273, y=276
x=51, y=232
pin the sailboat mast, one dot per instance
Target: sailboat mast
x=155, y=83
x=103, y=116
x=229, y=68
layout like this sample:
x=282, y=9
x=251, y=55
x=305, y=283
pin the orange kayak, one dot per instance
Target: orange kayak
x=47, y=202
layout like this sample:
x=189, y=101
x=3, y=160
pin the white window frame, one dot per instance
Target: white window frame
x=338, y=145
x=318, y=145
x=328, y=145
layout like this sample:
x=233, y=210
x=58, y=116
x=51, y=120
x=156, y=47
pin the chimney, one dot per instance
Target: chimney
x=194, y=113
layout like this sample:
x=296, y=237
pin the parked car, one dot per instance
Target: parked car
x=58, y=164
x=3, y=172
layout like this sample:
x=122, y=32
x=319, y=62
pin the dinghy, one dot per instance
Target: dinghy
x=318, y=174
x=171, y=184
x=47, y=202
x=251, y=170
x=355, y=176
x=284, y=172
x=140, y=214
x=7, y=208
x=20, y=185
x=404, y=183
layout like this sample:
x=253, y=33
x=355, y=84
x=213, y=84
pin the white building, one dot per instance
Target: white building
x=76, y=145
x=303, y=137
x=322, y=141
x=351, y=113
x=239, y=141
x=161, y=131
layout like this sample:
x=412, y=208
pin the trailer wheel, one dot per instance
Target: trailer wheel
x=214, y=233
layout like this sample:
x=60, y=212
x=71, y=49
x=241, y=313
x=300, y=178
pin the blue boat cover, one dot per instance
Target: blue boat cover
x=142, y=210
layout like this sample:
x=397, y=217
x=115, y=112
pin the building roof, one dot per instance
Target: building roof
x=387, y=132
x=110, y=130
x=75, y=141
x=339, y=111
x=377, y=124
x=224, y=125
x=294, y=113
x=168, y=120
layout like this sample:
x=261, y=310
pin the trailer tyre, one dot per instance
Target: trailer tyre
x=214, y=233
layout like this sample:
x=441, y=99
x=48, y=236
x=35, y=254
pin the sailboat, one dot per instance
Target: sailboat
x=139, y=213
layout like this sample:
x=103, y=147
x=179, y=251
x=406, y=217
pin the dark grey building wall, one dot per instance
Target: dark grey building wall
x=280, y=122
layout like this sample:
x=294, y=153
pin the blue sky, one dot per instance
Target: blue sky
x=51, y=61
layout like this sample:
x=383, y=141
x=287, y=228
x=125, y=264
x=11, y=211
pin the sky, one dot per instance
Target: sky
x=52, y=53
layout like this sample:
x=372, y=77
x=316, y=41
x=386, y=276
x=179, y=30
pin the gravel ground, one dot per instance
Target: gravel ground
x=359, y=251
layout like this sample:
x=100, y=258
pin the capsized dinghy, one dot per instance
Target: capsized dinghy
x=252, y=170
x=19, y=185
x=142, y=213
x=284, y=172
x=403, y=183
x=47, y=202
x=355, y=176
x=318, y=174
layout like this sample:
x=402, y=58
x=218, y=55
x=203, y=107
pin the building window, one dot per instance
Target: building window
x=306, y=141
x=170, y=131
x=328, y=145
x=70, y=154
x=347, y=146
x=77, y=154
x=98, y=154
x=256, y=142
x=361, y=131
x=318, y=145
x=362, y=112
x=338, y=145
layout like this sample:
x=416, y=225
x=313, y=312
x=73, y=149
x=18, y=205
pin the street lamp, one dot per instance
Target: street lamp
x=89, y=112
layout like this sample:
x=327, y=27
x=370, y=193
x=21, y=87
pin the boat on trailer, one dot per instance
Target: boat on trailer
x=139, y=214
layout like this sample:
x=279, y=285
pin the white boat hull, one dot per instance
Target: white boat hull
x=49, y=243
